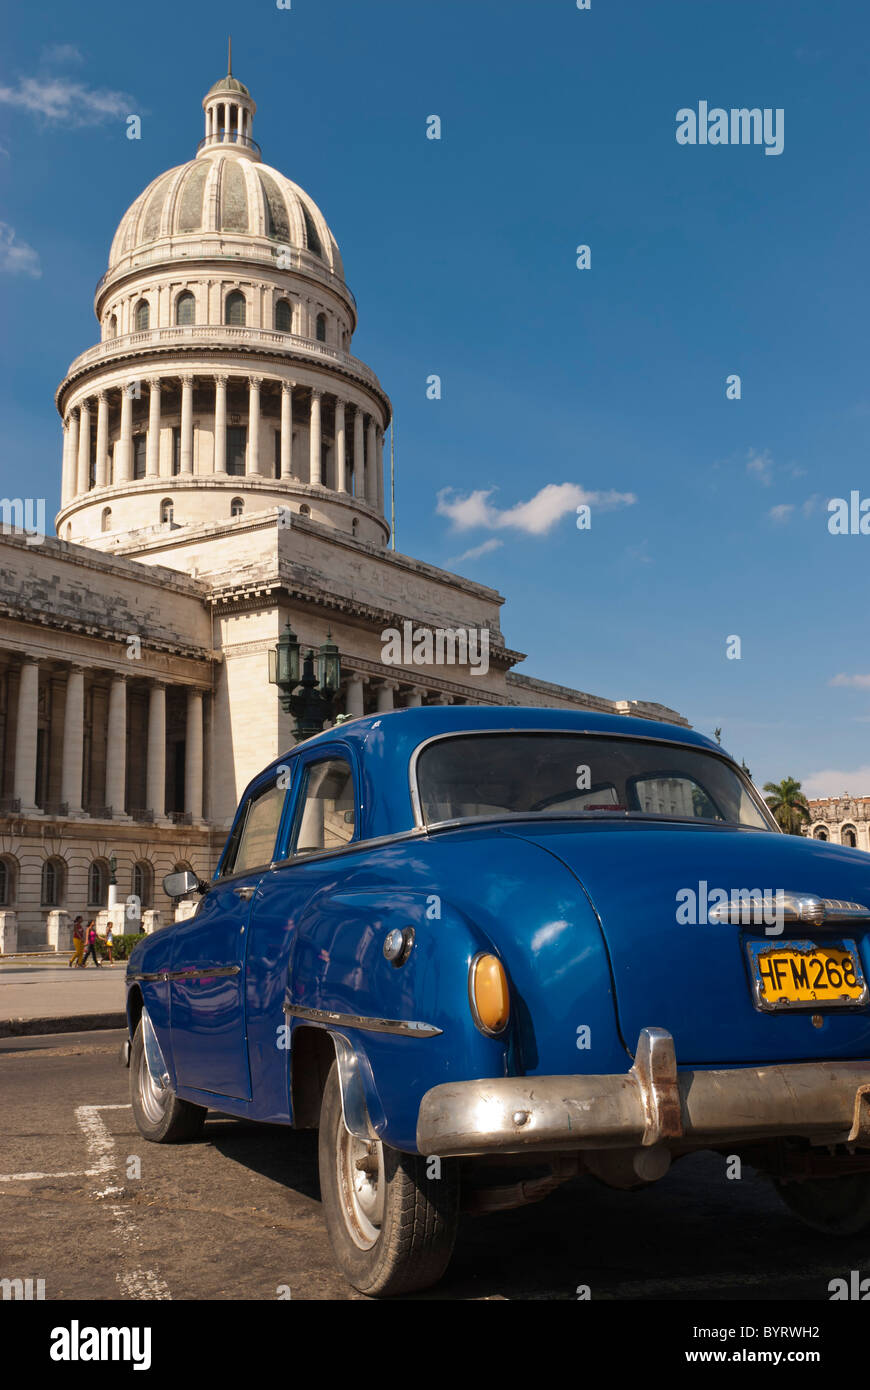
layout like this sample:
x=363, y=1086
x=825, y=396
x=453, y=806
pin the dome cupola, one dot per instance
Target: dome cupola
x=229, y=116
x=223, y=381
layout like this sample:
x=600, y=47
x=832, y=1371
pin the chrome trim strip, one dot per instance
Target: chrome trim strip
x=786, y=905
x=422, y=824
x=371, y=1025
x=204, y=973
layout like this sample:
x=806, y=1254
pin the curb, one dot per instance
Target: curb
x=69, y=1023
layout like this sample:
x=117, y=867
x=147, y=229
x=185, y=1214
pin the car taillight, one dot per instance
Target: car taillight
x=488, y=994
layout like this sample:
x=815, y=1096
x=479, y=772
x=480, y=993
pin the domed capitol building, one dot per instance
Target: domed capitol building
x=223, y=475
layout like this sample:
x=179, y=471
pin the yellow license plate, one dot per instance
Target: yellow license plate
x=799, y=974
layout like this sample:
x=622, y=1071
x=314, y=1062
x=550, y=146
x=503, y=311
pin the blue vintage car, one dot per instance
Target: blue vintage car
x=486, y=950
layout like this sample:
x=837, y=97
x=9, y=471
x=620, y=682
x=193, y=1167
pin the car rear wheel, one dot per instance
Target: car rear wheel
x=838, y=1206
x=159, y=1115
x=391, y=1227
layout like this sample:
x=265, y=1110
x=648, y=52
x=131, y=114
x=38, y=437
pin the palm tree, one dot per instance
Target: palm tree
x=788, y=804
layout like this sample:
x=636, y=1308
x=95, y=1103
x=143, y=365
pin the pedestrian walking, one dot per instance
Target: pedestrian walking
x=78, y=943
x=91, y=938
x=110, y=940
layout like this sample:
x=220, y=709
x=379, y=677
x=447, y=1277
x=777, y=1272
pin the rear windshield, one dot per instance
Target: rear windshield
x=582, y=775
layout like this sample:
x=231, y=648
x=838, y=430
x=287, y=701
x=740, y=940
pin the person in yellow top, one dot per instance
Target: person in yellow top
x=78, y=943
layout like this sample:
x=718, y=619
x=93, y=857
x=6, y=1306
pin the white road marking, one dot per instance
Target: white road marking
x=135, y=1283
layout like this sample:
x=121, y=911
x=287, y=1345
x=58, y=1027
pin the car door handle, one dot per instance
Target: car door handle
x=246, y=892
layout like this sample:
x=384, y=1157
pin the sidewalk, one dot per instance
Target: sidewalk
x=45, y=996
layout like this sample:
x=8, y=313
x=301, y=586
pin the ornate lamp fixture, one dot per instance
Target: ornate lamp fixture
x=312, y=701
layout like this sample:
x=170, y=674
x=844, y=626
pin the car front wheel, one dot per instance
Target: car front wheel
x=838, y=1206
x=159, y=1115
x=392, y=1228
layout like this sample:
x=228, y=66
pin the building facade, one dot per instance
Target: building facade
x=222, y=475
x=844, y=820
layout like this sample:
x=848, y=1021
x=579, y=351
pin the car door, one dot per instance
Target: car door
x=325, y=820
x=207, y=976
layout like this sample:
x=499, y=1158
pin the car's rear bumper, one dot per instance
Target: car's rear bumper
x=653, y=1103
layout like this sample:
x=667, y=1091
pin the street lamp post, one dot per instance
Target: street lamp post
x=308, y=697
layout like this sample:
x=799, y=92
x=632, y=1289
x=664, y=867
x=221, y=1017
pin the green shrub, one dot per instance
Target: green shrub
x=122, y=945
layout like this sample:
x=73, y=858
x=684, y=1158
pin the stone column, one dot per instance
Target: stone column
x=287, y=429
x=68, y=478
x=73, y=741
x=355, y=704
x=186, y=465
x=385, y=696
x=220, y=424
x=443, y=698
x=84, y=459
x=340, y=447
x=193, y=756
x=125, y=445
x=24, y=783
x=254, y=425
x=240, y=122
x=371, y=468
x=152, y=449
x=359, y=454
x=155, y=777
x=116, y=747
x=314, y=475
x=379, y=466
x=101, y=470
x=414, y=698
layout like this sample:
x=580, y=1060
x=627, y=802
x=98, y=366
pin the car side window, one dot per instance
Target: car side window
x=326, y=817
x=256, y=831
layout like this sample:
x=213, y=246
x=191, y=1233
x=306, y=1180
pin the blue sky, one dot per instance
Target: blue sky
x=558, y=130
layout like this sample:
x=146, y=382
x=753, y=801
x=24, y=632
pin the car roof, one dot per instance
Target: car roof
x=385, y=742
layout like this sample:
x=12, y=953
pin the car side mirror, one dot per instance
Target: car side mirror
x=178, y=884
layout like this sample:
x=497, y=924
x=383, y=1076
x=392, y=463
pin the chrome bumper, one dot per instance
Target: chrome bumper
x=653, y=1103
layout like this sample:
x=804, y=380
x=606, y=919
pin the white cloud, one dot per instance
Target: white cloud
x=535, y=517
x=16, y=257
x=475, y=553
x=56, y=54
x=782, y=512
x=835, y=782
x=60, y=100
x=760, y=466
x=862, y=682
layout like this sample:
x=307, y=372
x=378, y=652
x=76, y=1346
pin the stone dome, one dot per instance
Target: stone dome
x=222, y=190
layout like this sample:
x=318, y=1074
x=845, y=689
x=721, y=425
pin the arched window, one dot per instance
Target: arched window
x=321, y=328
x=69, y=530
x=98, y=883
x=284, y=316
x=354, y=525
x=142, y=318
x=52, y=883
x=185, y=308
x=106, y=519
x=305, y=510
x=8, y=880
x=112, y=326
x=167, y=511
x=143, y=883
x=820, y=834
x=234, y=309
x=237, y=507
x=849, y=836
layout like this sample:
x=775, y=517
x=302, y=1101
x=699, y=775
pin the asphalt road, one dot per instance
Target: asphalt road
x=237, y=1214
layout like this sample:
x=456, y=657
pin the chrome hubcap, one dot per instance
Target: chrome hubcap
x=153, y=1098
x=361, y=1184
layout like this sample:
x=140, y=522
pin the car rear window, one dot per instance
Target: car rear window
x=582, y=775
